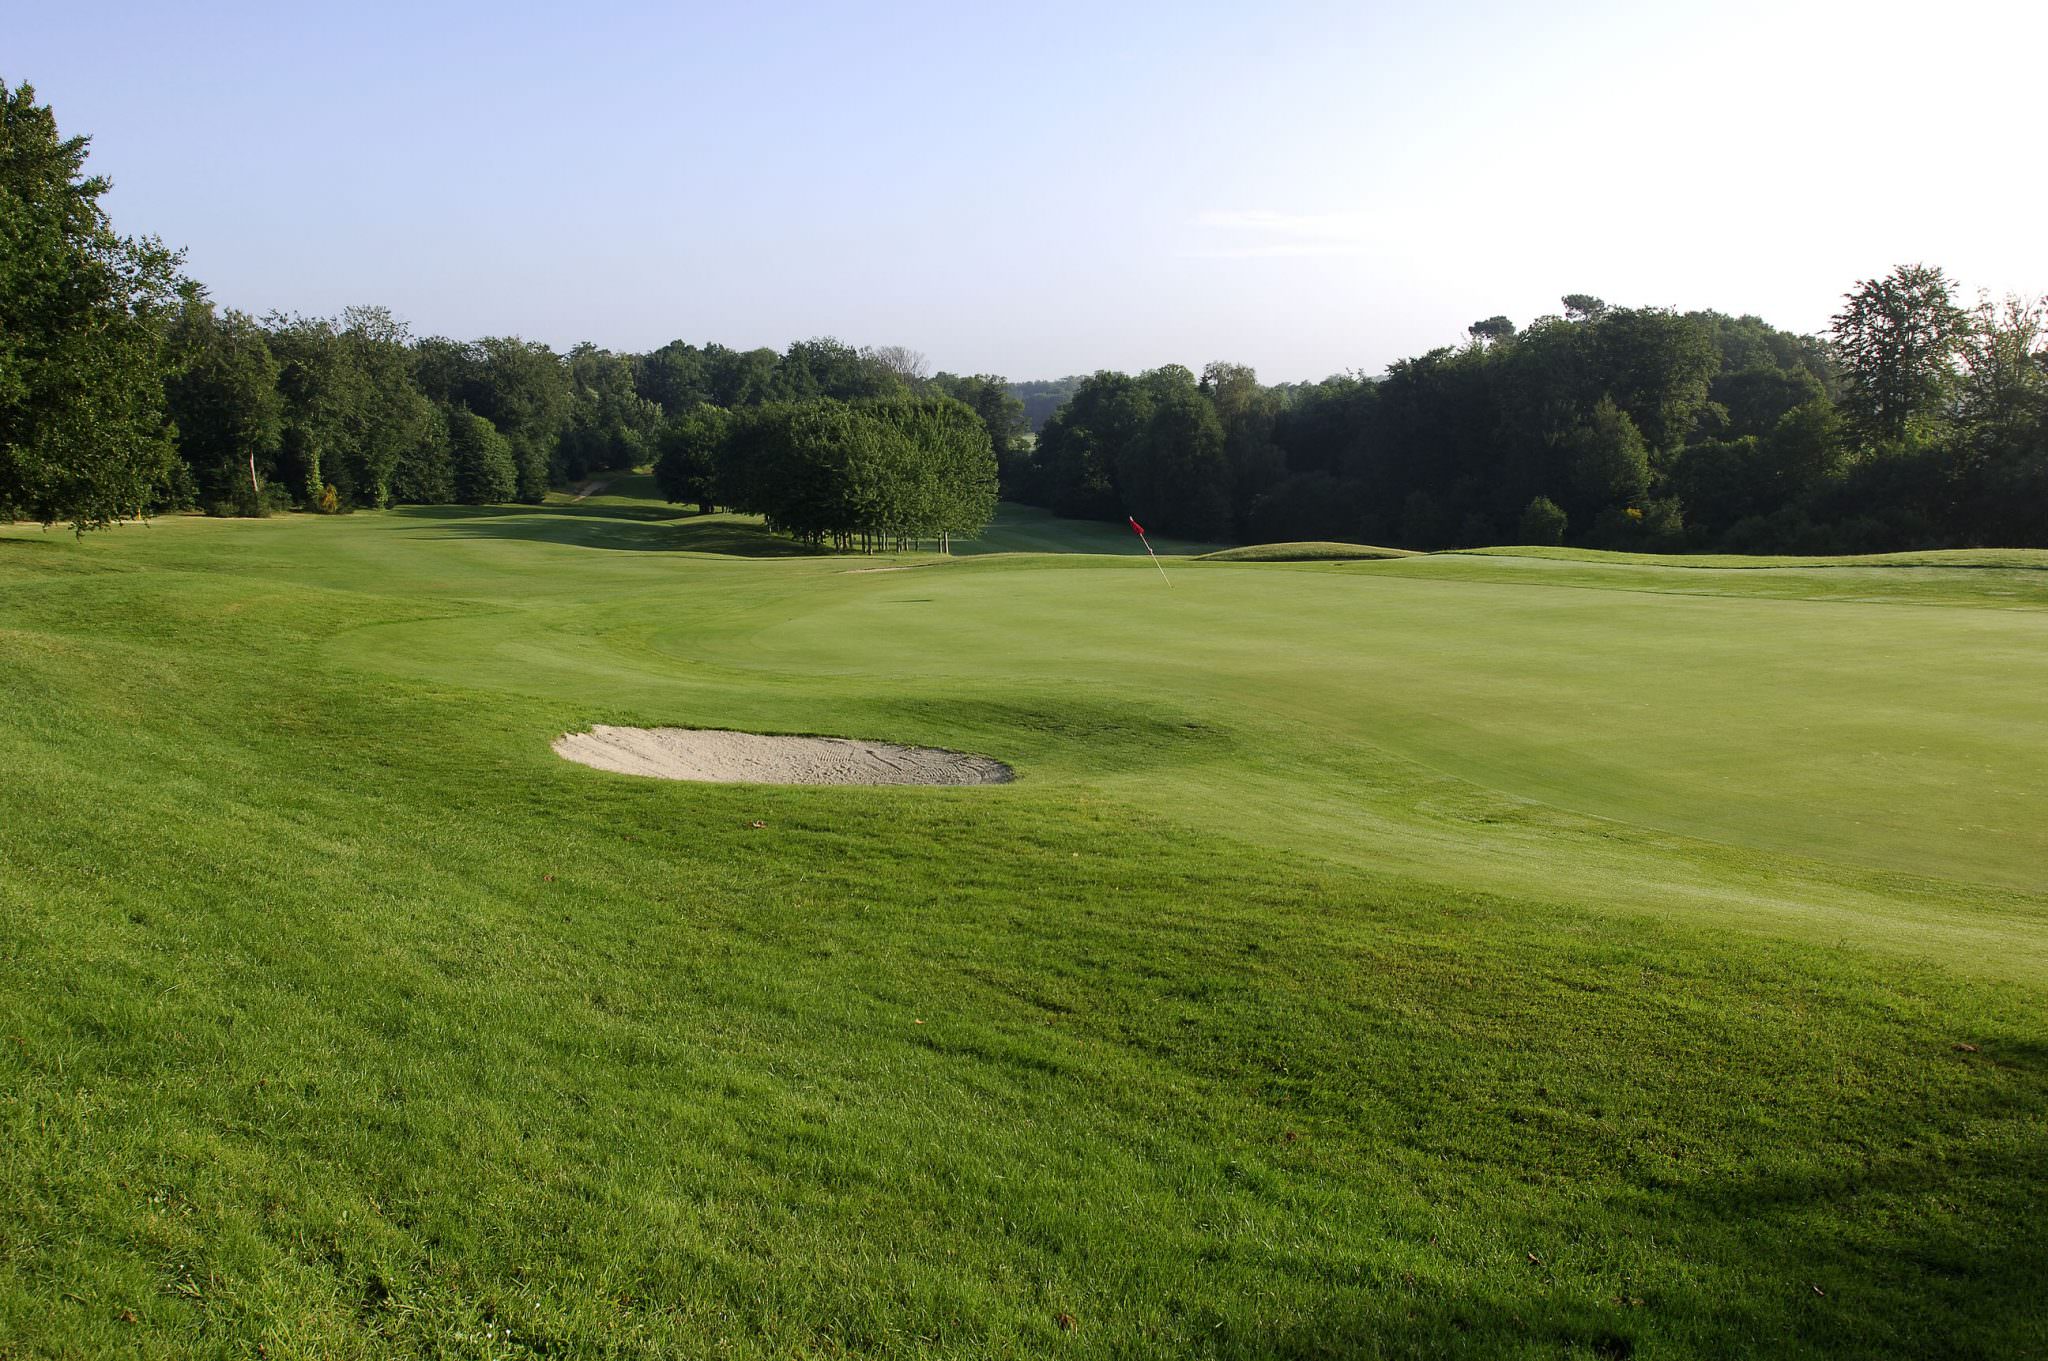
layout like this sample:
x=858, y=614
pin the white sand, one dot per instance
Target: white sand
x=751, y=758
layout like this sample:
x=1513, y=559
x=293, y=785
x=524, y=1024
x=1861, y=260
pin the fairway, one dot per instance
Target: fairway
x=1455, y=954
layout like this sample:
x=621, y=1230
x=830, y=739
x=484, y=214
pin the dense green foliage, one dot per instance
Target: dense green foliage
x=1460, y=955
x=876, y=473
x=84, y=316
x=1914, y=424
x=124, y=390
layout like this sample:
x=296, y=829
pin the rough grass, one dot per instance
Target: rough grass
x=1470, y=957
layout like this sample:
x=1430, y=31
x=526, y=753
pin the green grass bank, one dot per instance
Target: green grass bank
x=1484, y=955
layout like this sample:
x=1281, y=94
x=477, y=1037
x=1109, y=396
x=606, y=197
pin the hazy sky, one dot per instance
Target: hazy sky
x=1053, y=188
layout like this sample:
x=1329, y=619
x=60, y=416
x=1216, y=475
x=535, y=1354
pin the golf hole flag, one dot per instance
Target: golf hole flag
x=1139, y=530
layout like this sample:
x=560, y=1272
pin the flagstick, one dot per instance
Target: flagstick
x=1154, y=556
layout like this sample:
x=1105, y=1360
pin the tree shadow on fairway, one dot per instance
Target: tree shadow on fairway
x=634, y=529
x=1933, y=1247
x=1924, y=1240
x=649, y=514
x=1428, y=1323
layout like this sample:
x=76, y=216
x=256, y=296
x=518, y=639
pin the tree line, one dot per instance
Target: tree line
x=1915, y=422
x=125, y=390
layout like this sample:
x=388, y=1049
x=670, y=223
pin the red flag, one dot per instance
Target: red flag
x=1136, y=528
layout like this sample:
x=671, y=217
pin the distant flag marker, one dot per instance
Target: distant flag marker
x=1139, y=530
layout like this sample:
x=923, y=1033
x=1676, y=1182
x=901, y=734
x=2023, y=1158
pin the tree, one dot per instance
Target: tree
x=1422, y=522
x=84, y=319
x=1247, y=414
x=396, y=420
x=688, y=446
x=954, y=470
x=480, y=459
x=1582, y=307
x=1491, y=329
x=674, y=377
x=1312, y=505
x=1173, y=470
x=522, y=388
x=1752, y=400
x=1002, y=416
x=1075, y=455
x=223, y=396
x=824, y=367
x=907, y=364
x=1655, y=365
x=1898, y=339
x=743, y=378
x=1543, y=522
x=326, y=401
x=610, y=425
x=424, y=473
x=2005, y=367
x=1605, y=463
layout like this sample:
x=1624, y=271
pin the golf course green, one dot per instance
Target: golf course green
x=1518, y=953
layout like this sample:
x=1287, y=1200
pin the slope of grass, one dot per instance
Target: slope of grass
x=2034, y=559
x=1473, y=957
x=1308, y=550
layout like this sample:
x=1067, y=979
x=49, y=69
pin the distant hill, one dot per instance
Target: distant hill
x=1043, y=397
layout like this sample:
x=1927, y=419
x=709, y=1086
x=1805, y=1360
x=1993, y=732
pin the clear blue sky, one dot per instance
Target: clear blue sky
x=1057, y=187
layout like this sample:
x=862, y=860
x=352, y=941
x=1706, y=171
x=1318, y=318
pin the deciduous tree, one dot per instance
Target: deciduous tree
x=84, y=320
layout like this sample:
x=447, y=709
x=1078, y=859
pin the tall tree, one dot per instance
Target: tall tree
x=84, y=318
x=610, y=425
x=688, y=445
x=1174, y=471
x=522, y=388
x=1002, y=416
x=1655, y=365
x=481, y=460
x=674, y=377
x=395, y=419
x=1077, y=450
x=223, y=396
x=326, y=401
x=1898, y=339
x=1248, y=415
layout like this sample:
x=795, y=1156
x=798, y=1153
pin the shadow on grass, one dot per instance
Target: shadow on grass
x=645, y=514
x=635, y=529
x=1876, y=1262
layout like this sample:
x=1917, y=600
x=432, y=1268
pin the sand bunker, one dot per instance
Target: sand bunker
x=751, y=758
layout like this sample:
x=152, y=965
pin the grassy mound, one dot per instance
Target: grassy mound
x=1474, y=957
x=1308, y=550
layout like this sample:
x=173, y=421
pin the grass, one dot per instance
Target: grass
x=1449, y=956
x=2035, y=559
x=1311, y=550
